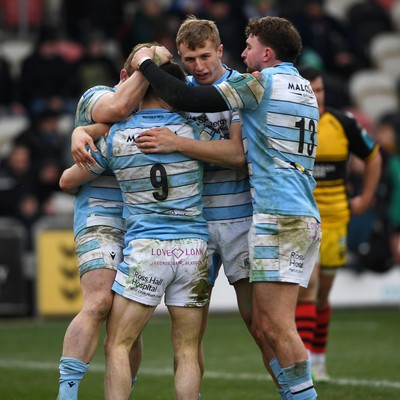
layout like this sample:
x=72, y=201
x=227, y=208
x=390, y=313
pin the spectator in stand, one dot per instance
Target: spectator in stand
x=49, y=151
x=95, y=67
x=83, y=17
x=149, y=23
x=46, y=79
x=8, y=87
x=388, y=136
x=183, y=8
x=231, y=23
x=328, y=38
x=260, y=8
x=18, y=191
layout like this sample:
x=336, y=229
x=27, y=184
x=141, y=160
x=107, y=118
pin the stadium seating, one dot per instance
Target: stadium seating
x=385, y=52
x=10, y=127
x=374, y=92
x=339, y=8
x=15, y=51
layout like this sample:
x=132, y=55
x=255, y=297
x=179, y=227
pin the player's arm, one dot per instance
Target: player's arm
x=84, y=136
x=371, y=176
x=117, y=106
x=362, y=145
x=72, y=178
x=227, y=152
x=174, y=91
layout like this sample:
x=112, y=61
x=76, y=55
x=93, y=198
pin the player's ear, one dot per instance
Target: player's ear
x=220, y=50
x=268, y=54
x=123, y=75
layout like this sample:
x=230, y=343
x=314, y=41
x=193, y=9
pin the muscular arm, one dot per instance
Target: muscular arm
x=74, y=177
x=118, y=105
x=227, y=153
x=179, y=95
x=371, y=176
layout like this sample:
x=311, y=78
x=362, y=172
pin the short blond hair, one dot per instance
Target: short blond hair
x=127, y=64
x=195, y=32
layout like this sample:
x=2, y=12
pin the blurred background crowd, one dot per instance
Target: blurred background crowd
x=51, y=51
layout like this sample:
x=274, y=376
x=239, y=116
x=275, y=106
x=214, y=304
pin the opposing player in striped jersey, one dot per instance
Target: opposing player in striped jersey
x=165, y=243
x=98, y=230
x=339, y=136
x=280, y=120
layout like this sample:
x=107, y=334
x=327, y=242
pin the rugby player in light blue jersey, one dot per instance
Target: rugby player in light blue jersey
x=165, y=244
x=226, y=193
x=280, y=118
x=98, y=230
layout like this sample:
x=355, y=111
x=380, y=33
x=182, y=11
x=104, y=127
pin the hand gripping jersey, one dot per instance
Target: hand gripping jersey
x=98, y=202
x=280, y=122
x=339, y=134
x=162, y=192
x=226, y=192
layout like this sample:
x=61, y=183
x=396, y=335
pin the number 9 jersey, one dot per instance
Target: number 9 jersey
x=162, y=192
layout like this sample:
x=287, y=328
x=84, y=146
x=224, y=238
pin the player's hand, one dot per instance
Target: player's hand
x=157, y=140
x=161, y=55
x=79, y=140
x=142, y=53
x=359, y=205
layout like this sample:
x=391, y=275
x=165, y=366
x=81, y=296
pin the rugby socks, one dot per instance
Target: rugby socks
x=322, y=330
x=300, y=382
x=306, y=323
x=134, y=380
x=72, y=371
x=284, y=390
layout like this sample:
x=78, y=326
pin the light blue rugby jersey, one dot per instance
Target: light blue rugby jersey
x=226, y=192
x=162, y=192
x=280, y=121
x=98, y=202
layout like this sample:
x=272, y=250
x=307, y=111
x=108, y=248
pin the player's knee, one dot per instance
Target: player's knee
x=263, y=332
x=257, y=332
x=99, y=308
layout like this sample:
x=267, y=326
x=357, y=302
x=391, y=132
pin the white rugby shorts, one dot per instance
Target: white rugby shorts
x=177, y=269
x=283, y=248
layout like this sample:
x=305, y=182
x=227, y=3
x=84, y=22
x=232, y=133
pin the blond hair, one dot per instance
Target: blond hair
x=194, y=33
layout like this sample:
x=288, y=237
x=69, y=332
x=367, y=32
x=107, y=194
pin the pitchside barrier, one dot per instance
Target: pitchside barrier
x=13, y=283
x=58, y=290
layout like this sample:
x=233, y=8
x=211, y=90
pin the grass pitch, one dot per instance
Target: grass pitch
x=363, y=360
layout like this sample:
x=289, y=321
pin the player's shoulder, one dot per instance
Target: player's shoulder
x=344, y=117
x=95, y=89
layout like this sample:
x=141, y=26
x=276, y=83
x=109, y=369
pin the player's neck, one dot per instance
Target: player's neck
x=154, y=103
x=221, y=72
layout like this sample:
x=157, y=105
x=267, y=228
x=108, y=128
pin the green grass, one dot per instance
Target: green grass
x=363, y=359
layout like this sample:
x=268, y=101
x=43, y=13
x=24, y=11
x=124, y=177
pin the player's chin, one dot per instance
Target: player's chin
x=204, y=79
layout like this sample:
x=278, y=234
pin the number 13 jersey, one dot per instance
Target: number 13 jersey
x=280, y=118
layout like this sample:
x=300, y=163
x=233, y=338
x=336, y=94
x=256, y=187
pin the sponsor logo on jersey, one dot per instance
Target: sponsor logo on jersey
x=298, y=87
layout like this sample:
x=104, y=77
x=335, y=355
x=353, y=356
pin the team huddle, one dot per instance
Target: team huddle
x=188, y=174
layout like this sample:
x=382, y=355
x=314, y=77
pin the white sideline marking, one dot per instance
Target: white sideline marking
x=47, y=366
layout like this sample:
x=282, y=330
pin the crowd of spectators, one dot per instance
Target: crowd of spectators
x=80, y=43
